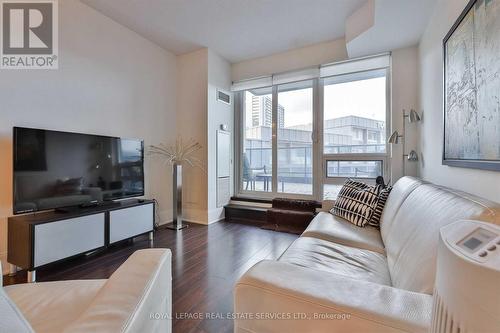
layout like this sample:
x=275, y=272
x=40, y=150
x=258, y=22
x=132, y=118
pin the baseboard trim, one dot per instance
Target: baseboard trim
x=5, y=264
x=195, y=221
x=215, y=215
x=217, y=220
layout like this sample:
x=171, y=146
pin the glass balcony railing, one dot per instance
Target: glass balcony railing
x=356, y=149
x=295, y=168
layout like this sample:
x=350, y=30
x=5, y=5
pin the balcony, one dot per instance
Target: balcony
x=295, y=168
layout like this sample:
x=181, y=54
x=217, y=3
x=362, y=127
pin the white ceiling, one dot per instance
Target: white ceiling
x=235, y=29
x=396, y=24
x=244, y=29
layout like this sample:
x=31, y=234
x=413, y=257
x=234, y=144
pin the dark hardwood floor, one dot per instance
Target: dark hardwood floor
x=206, y=262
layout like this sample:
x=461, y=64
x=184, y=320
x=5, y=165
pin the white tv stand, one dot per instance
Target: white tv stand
x=37, y=240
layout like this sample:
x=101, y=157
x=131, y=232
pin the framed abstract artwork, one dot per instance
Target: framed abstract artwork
x=472, y=88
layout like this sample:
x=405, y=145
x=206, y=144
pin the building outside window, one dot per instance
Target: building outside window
x=315, y=146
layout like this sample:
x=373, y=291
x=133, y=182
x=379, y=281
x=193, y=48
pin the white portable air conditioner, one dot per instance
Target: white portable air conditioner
x=467, y=292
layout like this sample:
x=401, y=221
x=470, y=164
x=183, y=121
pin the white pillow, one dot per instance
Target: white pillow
x=356, y=202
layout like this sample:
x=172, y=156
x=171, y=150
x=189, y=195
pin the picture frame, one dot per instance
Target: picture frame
x=470, y=87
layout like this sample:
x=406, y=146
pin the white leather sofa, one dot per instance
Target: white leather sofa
x=338, y=277
x=136, y=298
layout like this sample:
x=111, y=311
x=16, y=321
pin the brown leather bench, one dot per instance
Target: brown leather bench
x=290, y=215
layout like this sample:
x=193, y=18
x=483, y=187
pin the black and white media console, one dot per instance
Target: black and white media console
x=40, y=239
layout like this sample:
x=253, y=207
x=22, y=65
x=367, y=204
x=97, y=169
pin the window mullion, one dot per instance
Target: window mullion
x=318, y=139
x=239, y=125
x=388, y=121
x=274, y=179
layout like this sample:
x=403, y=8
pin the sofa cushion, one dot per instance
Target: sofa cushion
x=400, y=191
x=326, y=256
x=411, y=244
x=51, y=306
x=335, y=229
x=356, y=202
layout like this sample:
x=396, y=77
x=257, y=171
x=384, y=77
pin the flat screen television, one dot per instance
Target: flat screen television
x=55, y=169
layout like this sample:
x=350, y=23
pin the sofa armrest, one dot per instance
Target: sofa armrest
x=307, y=300
x=11, y=318
x=136, y=298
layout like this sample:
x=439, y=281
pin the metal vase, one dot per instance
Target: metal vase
x=177, y=198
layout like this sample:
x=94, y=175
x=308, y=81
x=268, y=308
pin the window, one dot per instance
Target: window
x=353, y=169
x=257, y=161
x=301, y=135
x=354, y=128
x=295, y=145
x=355, y=113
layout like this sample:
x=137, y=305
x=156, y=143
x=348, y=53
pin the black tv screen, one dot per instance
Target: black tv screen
x=59, y=169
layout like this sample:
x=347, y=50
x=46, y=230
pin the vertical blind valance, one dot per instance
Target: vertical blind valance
x=268, y=81
x=295, y=76
x=260, y=82
x=339, y=68
x=354, y=66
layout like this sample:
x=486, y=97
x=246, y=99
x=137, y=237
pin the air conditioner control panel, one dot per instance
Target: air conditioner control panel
x=480, y=243
x=477, y=241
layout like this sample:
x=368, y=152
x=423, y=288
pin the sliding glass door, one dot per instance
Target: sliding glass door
x=277, y=129
x=294, y=133
x=257, y=157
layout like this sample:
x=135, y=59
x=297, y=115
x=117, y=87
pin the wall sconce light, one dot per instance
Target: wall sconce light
x=413, y=117
x=397, y=138
x=412, y=156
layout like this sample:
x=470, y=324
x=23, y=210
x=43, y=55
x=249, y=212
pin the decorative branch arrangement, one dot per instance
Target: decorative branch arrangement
x=179, y=153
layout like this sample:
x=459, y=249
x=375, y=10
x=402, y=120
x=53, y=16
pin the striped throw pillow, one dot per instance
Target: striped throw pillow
x=379, y=208
x=356, y=202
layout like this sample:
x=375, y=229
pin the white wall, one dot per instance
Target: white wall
x=110, y=81
x=479, y=182
x=219, y=77
x=404, y=95
x=308, y=56
x=199, y=116
x=192, y=92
